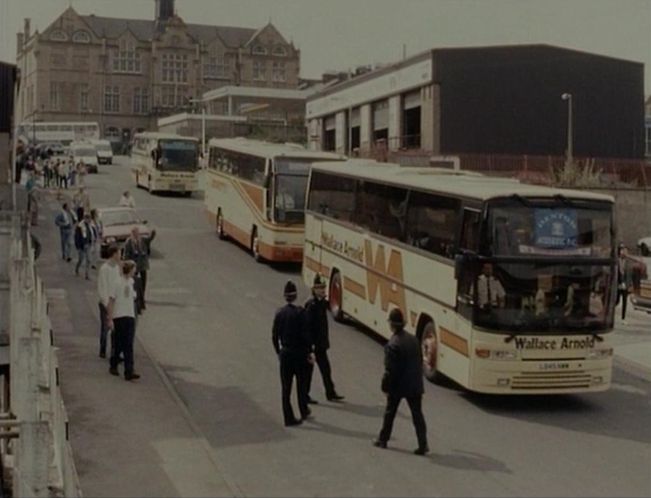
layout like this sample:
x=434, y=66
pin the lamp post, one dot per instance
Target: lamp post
x=569, y=157
x=203, y=123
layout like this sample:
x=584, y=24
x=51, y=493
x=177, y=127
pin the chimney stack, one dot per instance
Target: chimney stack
x=27, y=28
x=164, y=10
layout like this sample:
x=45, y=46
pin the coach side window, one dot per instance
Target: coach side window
x=381, y=209
x=432, y=222
x=332, y=196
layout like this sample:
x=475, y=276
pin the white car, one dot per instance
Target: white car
x=104, y=151
x=84, y=152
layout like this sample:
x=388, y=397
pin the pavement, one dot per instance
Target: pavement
x=205, y=419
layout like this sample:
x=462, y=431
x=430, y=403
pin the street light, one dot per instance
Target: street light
x=203, y=123
x=568, y=98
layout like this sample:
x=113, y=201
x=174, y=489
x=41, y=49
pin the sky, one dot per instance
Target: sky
x=342, y=34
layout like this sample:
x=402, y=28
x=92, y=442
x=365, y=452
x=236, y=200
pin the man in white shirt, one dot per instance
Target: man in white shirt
x=490, y=292
x=121, y=319
x=127, y=201
x=109, y=272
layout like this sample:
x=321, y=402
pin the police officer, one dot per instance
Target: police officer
x=292, y=344
x=403, y=378
x=316, y=319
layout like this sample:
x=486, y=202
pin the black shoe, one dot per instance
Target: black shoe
x=133, y=376
x=293, y=423
x=312, y=401
x=335, y=397
x=114, y=371
x=102, y=355
x=421, y=450
x=378, y=443
x=68, y=260
x=94, y=267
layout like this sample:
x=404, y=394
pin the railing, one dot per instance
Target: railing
x=36, y=446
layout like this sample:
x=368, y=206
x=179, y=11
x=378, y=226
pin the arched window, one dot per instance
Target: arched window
x=280, y=51
x=259, y=50
x=58, y=35
x=81, y=37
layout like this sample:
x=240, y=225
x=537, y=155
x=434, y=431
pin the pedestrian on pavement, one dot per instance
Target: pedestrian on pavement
x=83, y=243
x=63, y=175
x=72, y=173
x=81, y=202
x=127, y=200
x=109, y=273
x=98, y=232
x=137, y=249
x=316, y=320
x=624, y=278
x=32, y=200
x=65, y=220
x=292, y=345
x=47, y=173
x=403, y=378
x=121, y=319
x=81, y=171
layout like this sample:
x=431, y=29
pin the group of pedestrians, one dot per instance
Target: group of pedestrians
x=300, y=338
x=62, y=173
x=80, y=225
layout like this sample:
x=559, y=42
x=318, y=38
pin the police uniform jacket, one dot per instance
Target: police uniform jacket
x=316, y=320
x=289, y=334
x=403, y=366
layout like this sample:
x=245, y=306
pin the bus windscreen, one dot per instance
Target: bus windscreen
x=290, y=186
x=178, y=155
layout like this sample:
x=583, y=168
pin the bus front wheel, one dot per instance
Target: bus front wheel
x=220, y=226
x=429, y=348
x=255, y=247
x=335, y=297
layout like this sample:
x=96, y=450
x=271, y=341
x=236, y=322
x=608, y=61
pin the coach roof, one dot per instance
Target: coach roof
x=459, y=183
x=270, y=149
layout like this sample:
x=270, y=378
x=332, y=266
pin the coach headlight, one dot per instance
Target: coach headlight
x=600, y=353
x=109, y=240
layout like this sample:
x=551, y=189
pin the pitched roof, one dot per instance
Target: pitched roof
x=145, y=30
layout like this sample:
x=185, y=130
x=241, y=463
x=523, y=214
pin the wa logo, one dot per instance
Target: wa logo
x=384, y=275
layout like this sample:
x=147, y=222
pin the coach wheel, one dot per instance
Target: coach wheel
x=220, y=226
x=255, y=247
x=429, y=348
x=335, y=297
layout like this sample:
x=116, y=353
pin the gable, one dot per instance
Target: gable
x=69, y=27
x=268, y=36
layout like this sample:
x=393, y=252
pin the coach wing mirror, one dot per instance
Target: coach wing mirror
x=461, y=262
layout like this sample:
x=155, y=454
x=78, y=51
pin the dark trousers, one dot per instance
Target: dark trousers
x=323, y=362
x=141, y=287
x=293, y=365
x=622, y=294
x=104, y=331
x=415, y=405
x=124, y=330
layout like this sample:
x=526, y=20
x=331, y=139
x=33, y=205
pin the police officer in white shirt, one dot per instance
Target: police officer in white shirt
x=490, y=292
x=121, y=318
x=108, y=274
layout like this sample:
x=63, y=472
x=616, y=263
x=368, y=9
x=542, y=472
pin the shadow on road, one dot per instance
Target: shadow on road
x=622, y=412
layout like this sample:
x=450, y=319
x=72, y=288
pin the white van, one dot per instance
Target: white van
x=86, y=152
x=104, y=151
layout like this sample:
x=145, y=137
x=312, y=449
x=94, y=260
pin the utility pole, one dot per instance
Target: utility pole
x=570, y=139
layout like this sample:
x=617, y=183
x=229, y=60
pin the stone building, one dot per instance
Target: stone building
x=126, y=73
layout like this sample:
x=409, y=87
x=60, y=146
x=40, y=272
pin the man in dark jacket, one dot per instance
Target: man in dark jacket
x=292, y=344
x=403, y=378
x=316, y=320
x=137, y=249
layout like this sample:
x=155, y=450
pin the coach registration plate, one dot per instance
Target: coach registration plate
x=554, y=365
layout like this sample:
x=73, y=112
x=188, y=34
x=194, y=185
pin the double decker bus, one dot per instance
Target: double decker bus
x=255, y=194
x=59, y=131
x=163, y=162
x=510, y=288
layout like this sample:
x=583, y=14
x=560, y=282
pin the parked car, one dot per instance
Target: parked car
x=104, y=151
x=118, y=223
x=57, y=148
x=86, y=152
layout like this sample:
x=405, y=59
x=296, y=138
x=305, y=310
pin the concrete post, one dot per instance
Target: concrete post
x=365, y=130
x=395, y=122
x=341, y=132
x=31, y=471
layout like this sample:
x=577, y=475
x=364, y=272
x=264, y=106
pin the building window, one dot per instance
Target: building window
x=127, y=58
x=112, y=133
x=215, y=67
x=83, y=97
x=175, y=68
x=81, y=37
x=173, y=96
x=58, y=59
x=259, y=70
x=279, y=51
x=278, y=71
x=140, y=100
x=259, y=50
x=59, y=35
x=112, y=99
x=55, y=96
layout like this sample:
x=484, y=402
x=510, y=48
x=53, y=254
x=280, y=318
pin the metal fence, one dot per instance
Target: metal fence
x=35, y=446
